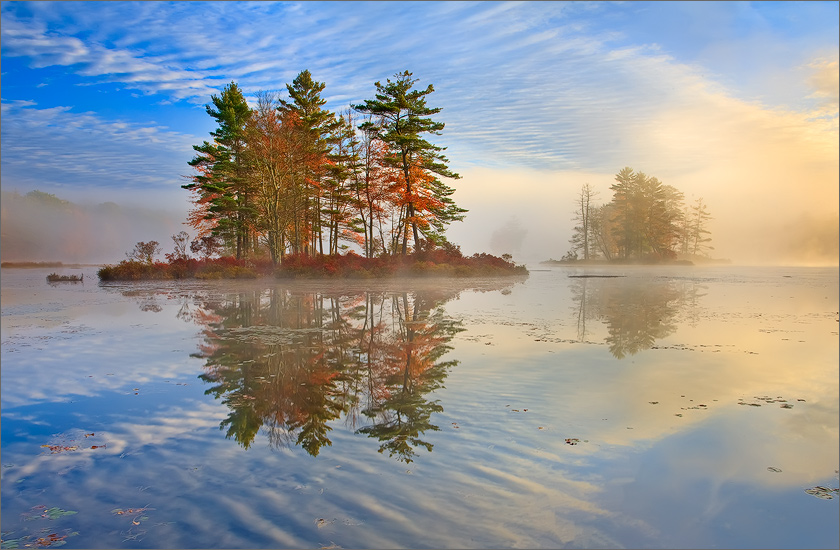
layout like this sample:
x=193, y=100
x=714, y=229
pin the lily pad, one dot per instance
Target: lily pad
x=39, y=512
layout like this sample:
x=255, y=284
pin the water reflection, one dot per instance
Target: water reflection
x=636, y=312
x=293, y=362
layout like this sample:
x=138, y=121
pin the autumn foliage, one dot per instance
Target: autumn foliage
x=437, y=262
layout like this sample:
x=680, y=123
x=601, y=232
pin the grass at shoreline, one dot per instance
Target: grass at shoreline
x=345, y=266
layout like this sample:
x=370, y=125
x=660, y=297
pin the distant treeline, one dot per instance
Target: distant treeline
x=31, y=264
x=41, y=227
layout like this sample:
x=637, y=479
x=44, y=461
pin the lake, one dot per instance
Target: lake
x=673, y=407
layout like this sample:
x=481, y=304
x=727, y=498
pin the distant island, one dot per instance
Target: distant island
x=693, y=260
x=36, y=264
x=646, y=222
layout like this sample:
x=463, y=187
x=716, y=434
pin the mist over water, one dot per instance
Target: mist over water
x=38, y=228
x=47, y=227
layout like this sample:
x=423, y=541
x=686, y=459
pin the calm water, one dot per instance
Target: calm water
x=676, y=408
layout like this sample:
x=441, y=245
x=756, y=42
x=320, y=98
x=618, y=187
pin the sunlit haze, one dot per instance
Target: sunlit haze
x=733, y=102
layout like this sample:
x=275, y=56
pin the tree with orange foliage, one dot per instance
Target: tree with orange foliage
x=406, y=119
x=318, y=127
x=373, y=186
x=276, y=162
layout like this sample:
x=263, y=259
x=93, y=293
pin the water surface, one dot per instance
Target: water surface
x=675, y=407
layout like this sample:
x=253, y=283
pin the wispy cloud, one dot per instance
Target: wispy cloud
x=547, y=86
x=57, y=147
x=529, y=83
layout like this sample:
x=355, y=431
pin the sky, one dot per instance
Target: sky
x=732, y=102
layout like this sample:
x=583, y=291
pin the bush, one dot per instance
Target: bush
x=436, y=262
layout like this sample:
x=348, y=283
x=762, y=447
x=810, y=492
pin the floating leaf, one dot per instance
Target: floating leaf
x=321, y=522
x=47, y=541
x=572, y=441
x=825, y=493
x=121, y=512
x=772, y=469
x=52, y=540
x=47, y=513
x=55, y=513
x=55, y=449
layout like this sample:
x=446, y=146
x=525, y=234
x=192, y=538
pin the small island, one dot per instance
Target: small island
x=289, y=189
x=646, y=222
x=340, y=266
x=56, y=278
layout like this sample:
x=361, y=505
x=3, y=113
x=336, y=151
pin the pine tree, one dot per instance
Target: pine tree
x=427, y=201
x=698, y=229
x=319, y=126
x=645, y=214
x=221, y=183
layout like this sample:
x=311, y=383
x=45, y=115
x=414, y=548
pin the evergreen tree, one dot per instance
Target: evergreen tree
x=221, y=182
x=319, y=127
x=698, y=229
x=645, y=214
x=427, y=201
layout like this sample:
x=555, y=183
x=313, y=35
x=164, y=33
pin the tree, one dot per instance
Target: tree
x=698, y=229
x=181, y=241
x=144, y=252
x=405, y=119
x=603, y=230
x=206, y=246
x=645, y=213
x=583, y=232
x=339, y=184
x=318, y=127
x=276, y=163
x=673, y=204
x=373, y=183
x=220, y=182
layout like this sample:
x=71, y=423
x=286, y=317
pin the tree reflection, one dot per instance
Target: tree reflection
x=292, y=363
x=636, y=312
x=410, y=369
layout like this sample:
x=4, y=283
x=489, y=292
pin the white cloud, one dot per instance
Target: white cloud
x=56, y=146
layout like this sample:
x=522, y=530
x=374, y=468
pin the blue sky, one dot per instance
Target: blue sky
x=724, y=100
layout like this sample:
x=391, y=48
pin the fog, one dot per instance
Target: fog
x=758, y=221
x=49, y=228
x=528, y=214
